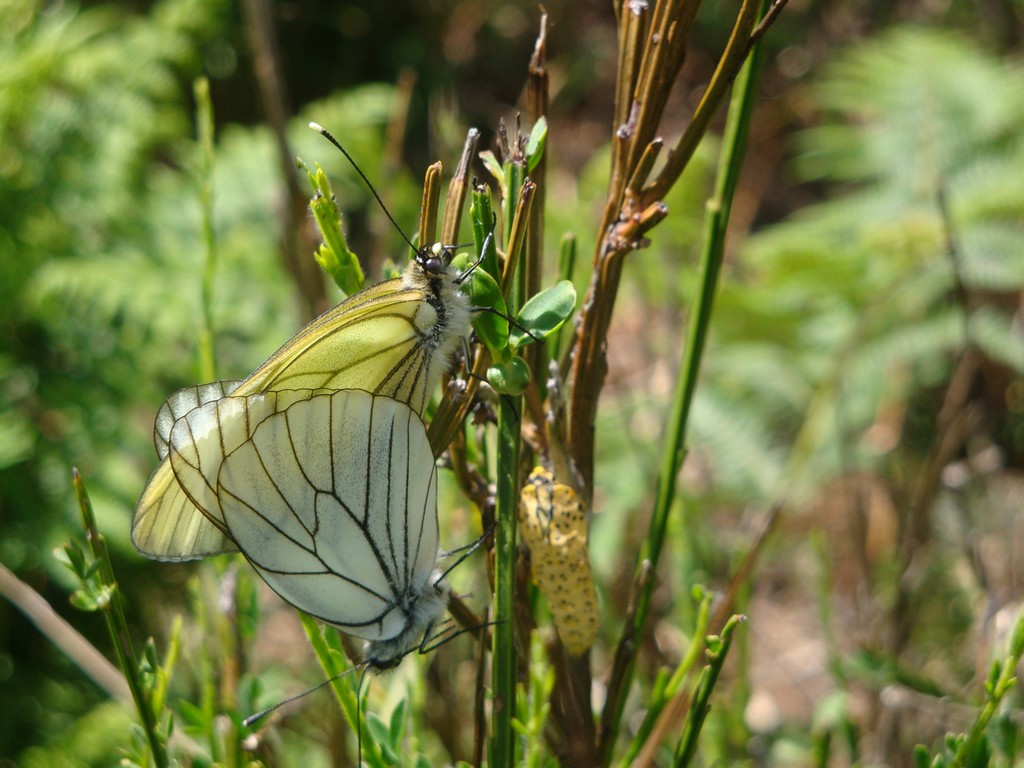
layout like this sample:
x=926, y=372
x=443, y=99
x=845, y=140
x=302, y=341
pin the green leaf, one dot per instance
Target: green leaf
x=250, y=688
x=379, y=733
x=490, y=320
x=543, y=314
x=149, y=656
x=378, y=730
x=1005, y=734
x=981, y=755
x=535, y=144
x=397, y=727
x=519, y=728
x=193, y=717
x=72, y=558
x=1017, y=639
x=83, y=601
x=494, y=168
x=993, y=677
x=510, y=377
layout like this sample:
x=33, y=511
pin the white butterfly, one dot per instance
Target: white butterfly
x=332, y=497
x=395, y=338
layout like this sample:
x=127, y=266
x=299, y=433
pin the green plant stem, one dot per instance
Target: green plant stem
x=705, y=685
x=345, y=692
x=204, y=129
x=673, y=452
x=503, y=659
x=660, y=697
x=996, y=688
x=505, y=553
x=117, y=626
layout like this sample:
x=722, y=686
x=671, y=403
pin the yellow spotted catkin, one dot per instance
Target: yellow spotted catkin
x=554, y=527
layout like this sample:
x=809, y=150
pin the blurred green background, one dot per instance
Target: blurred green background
x=866, y=365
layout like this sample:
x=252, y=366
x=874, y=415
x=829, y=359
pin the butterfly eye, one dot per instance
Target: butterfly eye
x=433, y=260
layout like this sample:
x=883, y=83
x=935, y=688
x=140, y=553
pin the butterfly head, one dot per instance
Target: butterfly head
x=434, y=260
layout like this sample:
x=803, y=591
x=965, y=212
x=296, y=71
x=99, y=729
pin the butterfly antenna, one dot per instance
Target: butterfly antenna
x=469, y=271
x=264, y=712
x=327, y=135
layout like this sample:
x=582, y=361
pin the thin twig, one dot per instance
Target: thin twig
x=637, y=118
x=59, y=632
x=687, y=746
x=728, y=66
x=117, y=626
x=458, y=188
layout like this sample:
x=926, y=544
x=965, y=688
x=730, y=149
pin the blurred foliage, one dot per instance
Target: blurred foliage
x=834, y=339
x=100, y=255
x=834, y=344
x=853, y=306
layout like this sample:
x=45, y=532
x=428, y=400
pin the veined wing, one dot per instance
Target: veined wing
x=332, y=499
x=378, y=339
x=371, y=341
x=201, y=439
x=183, y=401
x=167, y=524
x=177, y=517
x=388, y=339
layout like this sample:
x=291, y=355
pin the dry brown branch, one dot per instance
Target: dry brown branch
x=652, y=48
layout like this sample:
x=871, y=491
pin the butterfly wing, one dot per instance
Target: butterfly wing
x=374, y=340
x=201, y=440
x=167, y=524
x=331, y=497
x=183, y=401
x=388, y=339
x=175, y=519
